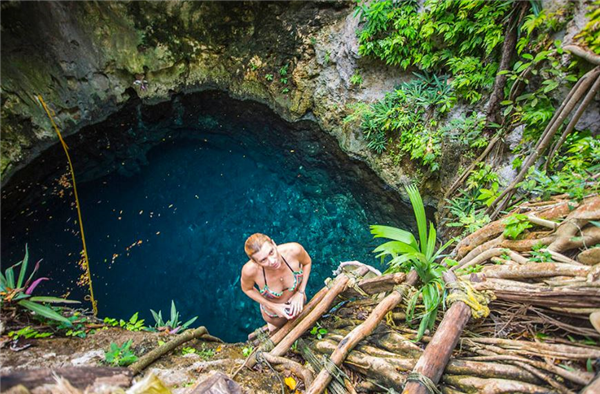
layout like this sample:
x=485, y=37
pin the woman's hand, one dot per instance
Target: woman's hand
x=296, y=304
x=281, y=310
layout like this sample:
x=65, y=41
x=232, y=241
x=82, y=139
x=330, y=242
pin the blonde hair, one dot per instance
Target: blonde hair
x=255, y=242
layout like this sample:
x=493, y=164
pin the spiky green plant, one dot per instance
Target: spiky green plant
x=408, y=254
x=19, y=292
x=173, y=325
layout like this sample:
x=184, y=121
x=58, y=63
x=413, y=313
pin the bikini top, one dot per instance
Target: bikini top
x=268, y=293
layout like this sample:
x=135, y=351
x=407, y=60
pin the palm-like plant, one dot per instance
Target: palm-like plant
x=406, y=254
x=19, y=292
x=173, y=325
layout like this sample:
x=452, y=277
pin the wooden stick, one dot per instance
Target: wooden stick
x=377, y=285
x=296, y=368
x=437, y=353
x=358, y=334
x=340, y=284
x=579, y=51
x=160, y=351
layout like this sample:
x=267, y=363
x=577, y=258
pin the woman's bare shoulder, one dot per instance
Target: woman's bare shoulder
x=293, y=248
x=249, y=270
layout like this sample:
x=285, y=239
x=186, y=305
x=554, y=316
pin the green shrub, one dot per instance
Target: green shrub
x=120, y=356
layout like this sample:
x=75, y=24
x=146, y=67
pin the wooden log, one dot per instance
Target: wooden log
x=583, y=53
x=79, y=377
x=358, y=334
x=593, y=387
x=160, y=351
x=472, y=384
x=535, y=270
x=537, y=295
x=289, y=365
x=289, y=326
x=437, y=353
x=339, y=285
x=376, y=285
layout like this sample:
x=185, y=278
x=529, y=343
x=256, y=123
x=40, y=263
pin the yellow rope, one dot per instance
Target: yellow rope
x=85, y=254
x=476, y=300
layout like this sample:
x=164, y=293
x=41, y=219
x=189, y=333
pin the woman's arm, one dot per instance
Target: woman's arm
x=298, y=299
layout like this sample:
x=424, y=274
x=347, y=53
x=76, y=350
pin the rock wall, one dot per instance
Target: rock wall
x=87, y=59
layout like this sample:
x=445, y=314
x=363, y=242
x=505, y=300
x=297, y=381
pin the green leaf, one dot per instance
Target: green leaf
x=44, y=311
x=54, y=300
x=10, y=277
x=394, y=233
x=419, y=209
x=173, y=312
x=23, y=268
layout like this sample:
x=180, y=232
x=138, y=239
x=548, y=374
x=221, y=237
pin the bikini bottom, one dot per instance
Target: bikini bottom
x=273, y=315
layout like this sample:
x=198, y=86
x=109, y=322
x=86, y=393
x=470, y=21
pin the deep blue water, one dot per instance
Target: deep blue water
x=176, y=229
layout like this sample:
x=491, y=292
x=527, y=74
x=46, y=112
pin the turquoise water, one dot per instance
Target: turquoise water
x=175, y=229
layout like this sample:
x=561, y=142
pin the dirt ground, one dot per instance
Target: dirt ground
x=176, y=371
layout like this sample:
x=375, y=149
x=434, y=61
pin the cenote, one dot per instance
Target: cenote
x=170, y=192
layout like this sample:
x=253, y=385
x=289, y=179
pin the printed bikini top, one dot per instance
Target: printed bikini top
x=268, y=293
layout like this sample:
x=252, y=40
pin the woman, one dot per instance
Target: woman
x=281, y=273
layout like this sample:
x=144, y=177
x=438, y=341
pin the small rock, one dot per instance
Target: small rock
x=589, y=257
x=595, y=320
x=89, y=358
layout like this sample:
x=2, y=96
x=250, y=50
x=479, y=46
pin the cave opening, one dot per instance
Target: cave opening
x=169, y=193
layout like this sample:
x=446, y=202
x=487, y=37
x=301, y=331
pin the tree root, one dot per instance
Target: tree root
x=160, y=351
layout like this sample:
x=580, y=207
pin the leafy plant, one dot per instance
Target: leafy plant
x=318, y=331
x=540, y=256
x=120, y=356
x=356, y=79
x=205, y=353
x=406, y=254
x=283, y=81
x=403, y=113
x=327, y=58
x=283, y=71
x=285, y=91
x=247, y=350
x=188, y=350
x=269, y=77
x=173, y=325
x=133, y=324
x=17, y=292
x=515, y=224
x=461, y=37
x=28, y=332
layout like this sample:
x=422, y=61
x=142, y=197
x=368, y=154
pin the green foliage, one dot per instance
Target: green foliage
x=76, y=328
x=133, y=324
x=205, y=353
x=173, y=325
x=488, y=196
x=269, y=77
x=472, y=269
x=468, y=213
x=285, y=91
x=515, y=225
x=120, y=356
x=356, y=78
x=467, y=130
x=283, y=71
x=327, y=58
x=28, y=332
x=188, y=350
x=540, y=256
x=406, y=254
x=318, y=331
x=572, y=170
x=247, y=350
x=590, y=34
x=460, y=37
x=402, y=114
x=15, y=291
